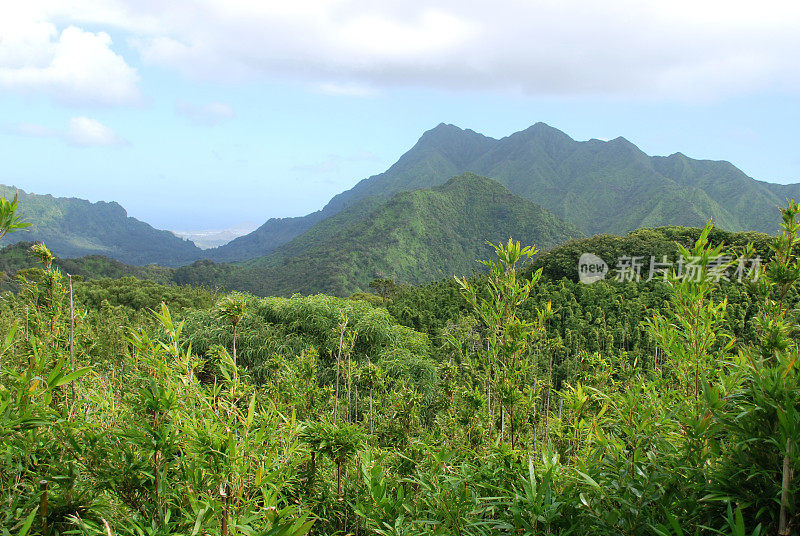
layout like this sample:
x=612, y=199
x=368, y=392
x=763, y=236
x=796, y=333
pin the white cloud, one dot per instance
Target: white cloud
x=84, y=131
x=72, y=65
x=346, y=90
x=208, y=114
x=679, y=49
x=80, y=132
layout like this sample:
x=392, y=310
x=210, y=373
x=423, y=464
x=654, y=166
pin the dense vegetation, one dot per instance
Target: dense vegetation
x=75, y=227
x=557, y=263
x=506, y=403
x=16, y=257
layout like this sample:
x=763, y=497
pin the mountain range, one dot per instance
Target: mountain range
x=537, y=184
x=598, y=186
x=414, y=237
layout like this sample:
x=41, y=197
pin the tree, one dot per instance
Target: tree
x=347, y=340
x=762, y=411
x=384, y=287
x=690, y=329
x=508, y=334
x=232, y=309
x=339, y=441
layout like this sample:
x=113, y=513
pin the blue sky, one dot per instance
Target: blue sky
x=247, y=111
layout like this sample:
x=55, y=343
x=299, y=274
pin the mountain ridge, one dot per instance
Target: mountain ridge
x=598, y=186
x=416, y=236
x=545, y=164
x=73, y=227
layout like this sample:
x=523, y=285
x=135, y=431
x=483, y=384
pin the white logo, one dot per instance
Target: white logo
x=591, y=268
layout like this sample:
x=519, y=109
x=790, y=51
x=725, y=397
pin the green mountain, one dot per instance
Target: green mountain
x=599, y=186
x=274, y=233
x=415, y=236
x=75, y=227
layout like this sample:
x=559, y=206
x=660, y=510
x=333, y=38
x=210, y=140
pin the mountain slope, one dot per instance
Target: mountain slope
x=439, y=153
x=273, y=233
x=75, y=227
x=416, y=236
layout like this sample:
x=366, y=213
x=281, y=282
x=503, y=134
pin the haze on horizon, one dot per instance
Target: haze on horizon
x=201, y=115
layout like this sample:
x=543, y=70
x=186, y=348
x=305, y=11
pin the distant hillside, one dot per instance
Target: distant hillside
x=17, y=257
x=75, y=227
x=274, y=233
x=599, y=186
x=416, y=236
x=284, y=272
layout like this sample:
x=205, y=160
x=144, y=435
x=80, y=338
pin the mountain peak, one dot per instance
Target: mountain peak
x=542, y=129
x=446, y=126
x=457, y=145
x=624, y=147
x=619, y=140
x=440, y=131
x=544, y=134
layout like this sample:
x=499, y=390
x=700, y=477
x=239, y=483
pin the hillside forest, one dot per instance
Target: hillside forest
x=515, y=400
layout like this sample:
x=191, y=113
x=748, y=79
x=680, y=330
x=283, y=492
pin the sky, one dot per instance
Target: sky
x=206, y=114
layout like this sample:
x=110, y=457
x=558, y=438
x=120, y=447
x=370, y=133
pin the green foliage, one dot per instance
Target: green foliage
x=16, y=257
x=231, y=309
x=690, y=329
x=664, y=408
x=383, y=287
x=508, y=334
x=9, y=220
x=662, y=242
x=138, y=294
x=761, y=408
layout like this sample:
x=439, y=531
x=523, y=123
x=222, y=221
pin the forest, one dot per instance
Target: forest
x=516, y=400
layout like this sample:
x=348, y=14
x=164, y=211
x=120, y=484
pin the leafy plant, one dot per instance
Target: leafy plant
x=9, y=220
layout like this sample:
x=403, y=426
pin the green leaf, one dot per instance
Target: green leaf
x=199, y=521
x=28, y=522
x=72, y=376
x=591, y=481
x=251, y=410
